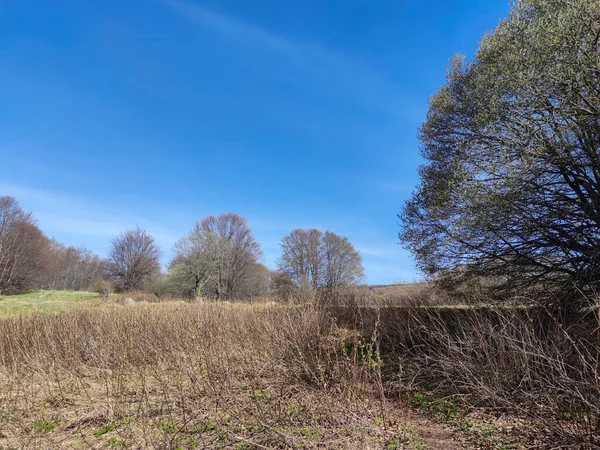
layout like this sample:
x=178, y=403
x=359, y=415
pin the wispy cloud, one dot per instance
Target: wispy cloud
x=66, y=214
x=358, y=81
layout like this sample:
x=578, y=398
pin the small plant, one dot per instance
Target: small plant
x=115, y=442
x=209, y=425
x=103, y=431
x=169, y=427
x=103, y=287
x=294, y=410
x=450, y=408
x=44, y=425
x=261, y=394
x=242, y=446
x=305, y=431
x=187, y=442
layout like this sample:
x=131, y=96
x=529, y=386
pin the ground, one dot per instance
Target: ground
x=184, y=376
x=46, y=301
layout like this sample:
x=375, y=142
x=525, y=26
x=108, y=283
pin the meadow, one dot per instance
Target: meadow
x=46, y=301
x=242, y=375
x=197, y=375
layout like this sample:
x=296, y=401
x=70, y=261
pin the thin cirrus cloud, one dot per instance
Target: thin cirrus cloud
x=60, y=214
x=355, y=79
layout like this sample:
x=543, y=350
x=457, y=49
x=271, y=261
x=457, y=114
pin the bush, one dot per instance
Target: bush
x=103, y=287
x=519, y=361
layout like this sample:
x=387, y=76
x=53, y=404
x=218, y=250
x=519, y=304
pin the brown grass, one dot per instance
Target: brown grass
x=521, y=363
x=268, y=375
x=178, y=375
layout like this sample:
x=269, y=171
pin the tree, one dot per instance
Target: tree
x=511, y=187
x=200, y=263
x=302, y=257
x=23, y=248
x=219, y=258
x=312, y=260
x=134, y=260
x=342, y=264
x=71, y=268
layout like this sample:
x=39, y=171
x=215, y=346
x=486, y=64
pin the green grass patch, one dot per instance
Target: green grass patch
x=44, y=425
x=450, y=408
x=46, y=301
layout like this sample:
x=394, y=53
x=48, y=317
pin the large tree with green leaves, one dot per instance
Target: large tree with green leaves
x=511, y=186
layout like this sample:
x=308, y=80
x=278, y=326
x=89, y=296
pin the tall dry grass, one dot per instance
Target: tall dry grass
x=265, y=375
x=524, y=362
x=178, y=375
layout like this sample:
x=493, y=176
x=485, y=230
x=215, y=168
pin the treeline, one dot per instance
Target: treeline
x=29, y=259
x=219, y=259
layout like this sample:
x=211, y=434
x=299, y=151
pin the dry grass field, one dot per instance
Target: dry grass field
x=184, y=375
x=203, y=375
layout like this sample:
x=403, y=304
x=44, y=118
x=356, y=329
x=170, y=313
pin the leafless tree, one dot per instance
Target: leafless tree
x=302, y=259
x=71, y=268
x=257, y=282
x=218, y=258
x=23, y=248
x=313, y=260
x=281, y=285
x=342, y=264
x=200, y=261
x=134, y=260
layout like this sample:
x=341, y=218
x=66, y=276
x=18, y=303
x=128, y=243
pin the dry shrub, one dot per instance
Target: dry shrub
x=176, y=374
x=521, y=361
x=142, y=296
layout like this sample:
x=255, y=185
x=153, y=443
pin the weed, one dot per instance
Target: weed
x=102, y=431
x=115, y=442
x=44, y=425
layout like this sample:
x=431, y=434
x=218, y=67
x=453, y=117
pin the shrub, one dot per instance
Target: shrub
x=103, y=287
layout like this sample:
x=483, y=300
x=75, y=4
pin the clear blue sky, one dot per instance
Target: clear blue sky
x=295, y=113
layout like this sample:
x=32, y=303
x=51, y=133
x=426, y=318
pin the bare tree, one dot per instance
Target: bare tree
x=23, y=248
x=219, y=257
x=342, y=264
x=134, y=260
x=312, y=260
x=71, y=268
x=302, y=259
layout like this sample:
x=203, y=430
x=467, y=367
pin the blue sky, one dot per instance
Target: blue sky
x=295, y=113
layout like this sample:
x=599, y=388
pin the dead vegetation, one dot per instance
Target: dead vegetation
x=507, y=375
x=202, y=375
x=272, y=375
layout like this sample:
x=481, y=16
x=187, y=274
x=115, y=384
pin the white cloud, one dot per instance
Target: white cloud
x=354, y=77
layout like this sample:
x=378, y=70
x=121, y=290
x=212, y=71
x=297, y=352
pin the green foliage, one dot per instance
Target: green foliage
x=209, y=425
x=261, y=394
x=115, y=442
x=103, y=287
x=305, y=431
x=511, y=188
x=449, y=408
x=169, y=426
x=102, y=431
x=44, y=425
